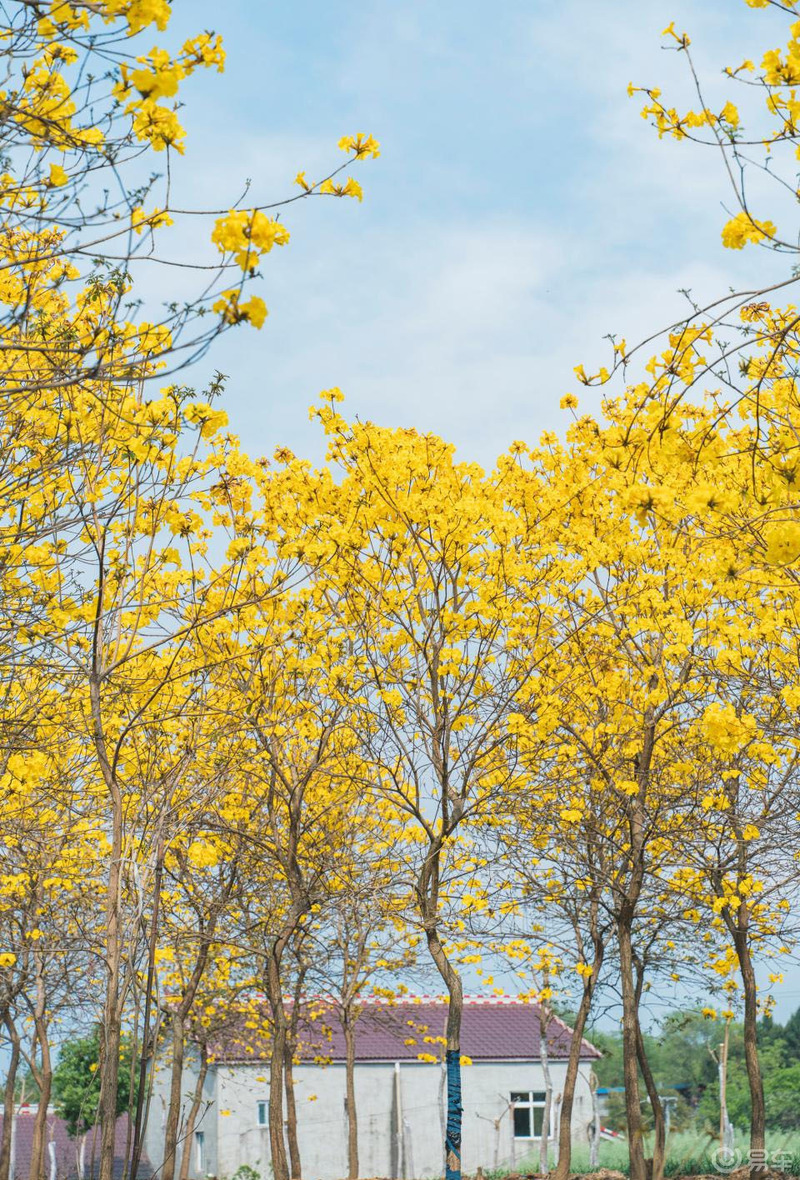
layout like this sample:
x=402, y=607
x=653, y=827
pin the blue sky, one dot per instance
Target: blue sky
x=520, y=210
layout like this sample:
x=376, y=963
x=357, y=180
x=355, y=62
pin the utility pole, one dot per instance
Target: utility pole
x=721, y=1059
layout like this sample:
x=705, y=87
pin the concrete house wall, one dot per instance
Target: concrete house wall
x=157, y=1115
x=234, y=1138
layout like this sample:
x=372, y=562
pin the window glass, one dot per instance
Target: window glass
x=262, y=1114
x=528, y=1113
x=522, y=1122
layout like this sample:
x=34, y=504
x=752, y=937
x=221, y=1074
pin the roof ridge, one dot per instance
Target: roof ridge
x=414, y=998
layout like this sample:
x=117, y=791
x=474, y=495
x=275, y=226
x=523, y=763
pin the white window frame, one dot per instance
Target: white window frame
x=262, y=1114
x=200, y=1152
x=531, y=1103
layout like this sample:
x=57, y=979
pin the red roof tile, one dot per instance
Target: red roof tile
x=65, y=1147
x=492, y=1029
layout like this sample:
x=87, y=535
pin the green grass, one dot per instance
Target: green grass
x=688, y=1154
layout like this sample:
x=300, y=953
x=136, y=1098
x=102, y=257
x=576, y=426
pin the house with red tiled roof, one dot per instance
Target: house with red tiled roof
x=400, y=1091
x=66, y=1157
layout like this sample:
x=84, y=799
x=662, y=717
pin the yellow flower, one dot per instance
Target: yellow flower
x=141, y=221
x=742, y=229
x=248, y=234
x=208, y=419
x=57, y=176
x=141, y=13
x=253, y=311
x=725, y=729
x=353, y=189
x=360, y=145
x=782, y=542
x=730, y=115
x=202, y=854
x=159, y=126
x=348, y=188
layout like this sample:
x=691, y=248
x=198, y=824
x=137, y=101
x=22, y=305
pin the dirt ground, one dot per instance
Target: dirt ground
x=611, y=1174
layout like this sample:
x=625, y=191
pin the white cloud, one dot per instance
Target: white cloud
x=469, y=333
x=522, y=210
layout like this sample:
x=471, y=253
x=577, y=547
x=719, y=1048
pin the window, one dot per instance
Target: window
x=528, y=1107
x=262, y=1114
x=200, y=1153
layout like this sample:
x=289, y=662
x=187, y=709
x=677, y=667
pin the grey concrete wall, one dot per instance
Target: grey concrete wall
x=322, y=1128
x=207, y=1119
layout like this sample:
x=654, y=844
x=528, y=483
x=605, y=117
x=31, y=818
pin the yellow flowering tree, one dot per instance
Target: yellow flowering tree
x=433, y=588
x=108, y=487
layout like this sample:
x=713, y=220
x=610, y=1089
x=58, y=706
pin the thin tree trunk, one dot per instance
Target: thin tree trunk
x=148, y=1039
x=180, y=1014
x=630, y=1067
x=194, y=1110
x=277, y=1147
x=94, y=1132
x=556, y=1116
x=626, y=910
x=594, y=1142
x=43, y=1076
x=659, y=1125
x=9, y=1106
x=112, y=1024
x=290, y=1048
x=130, y=1128
x=544, y=1138
x=452, y=1141
x=172, y=1129
x=659, y=1128
x=111, y=1028
x=44, y=1079
x=295, y=1165
x=442, y=1111
x=350, y=1099
x=752, y=1063
x=571, y=1079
